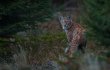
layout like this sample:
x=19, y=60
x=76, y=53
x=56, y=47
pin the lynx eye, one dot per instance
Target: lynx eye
x=65, y=25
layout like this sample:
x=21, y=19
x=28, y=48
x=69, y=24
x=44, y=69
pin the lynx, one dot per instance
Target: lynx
x=75, y=34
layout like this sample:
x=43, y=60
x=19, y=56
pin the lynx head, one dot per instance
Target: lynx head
x=66, y=22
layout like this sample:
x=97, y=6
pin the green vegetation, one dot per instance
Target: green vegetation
x=19, y=15
x=96, y=16
x=43, y=47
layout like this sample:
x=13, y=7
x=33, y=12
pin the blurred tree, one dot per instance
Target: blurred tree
x=96, y=16
x=18, y=15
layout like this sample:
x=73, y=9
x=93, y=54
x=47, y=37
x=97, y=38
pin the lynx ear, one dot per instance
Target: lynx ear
x=61, y=20
x=60, y=17
x=69, y=18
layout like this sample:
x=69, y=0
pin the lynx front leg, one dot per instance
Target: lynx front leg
x=70, y=50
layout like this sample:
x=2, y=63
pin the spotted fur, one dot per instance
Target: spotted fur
x=75, y=35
